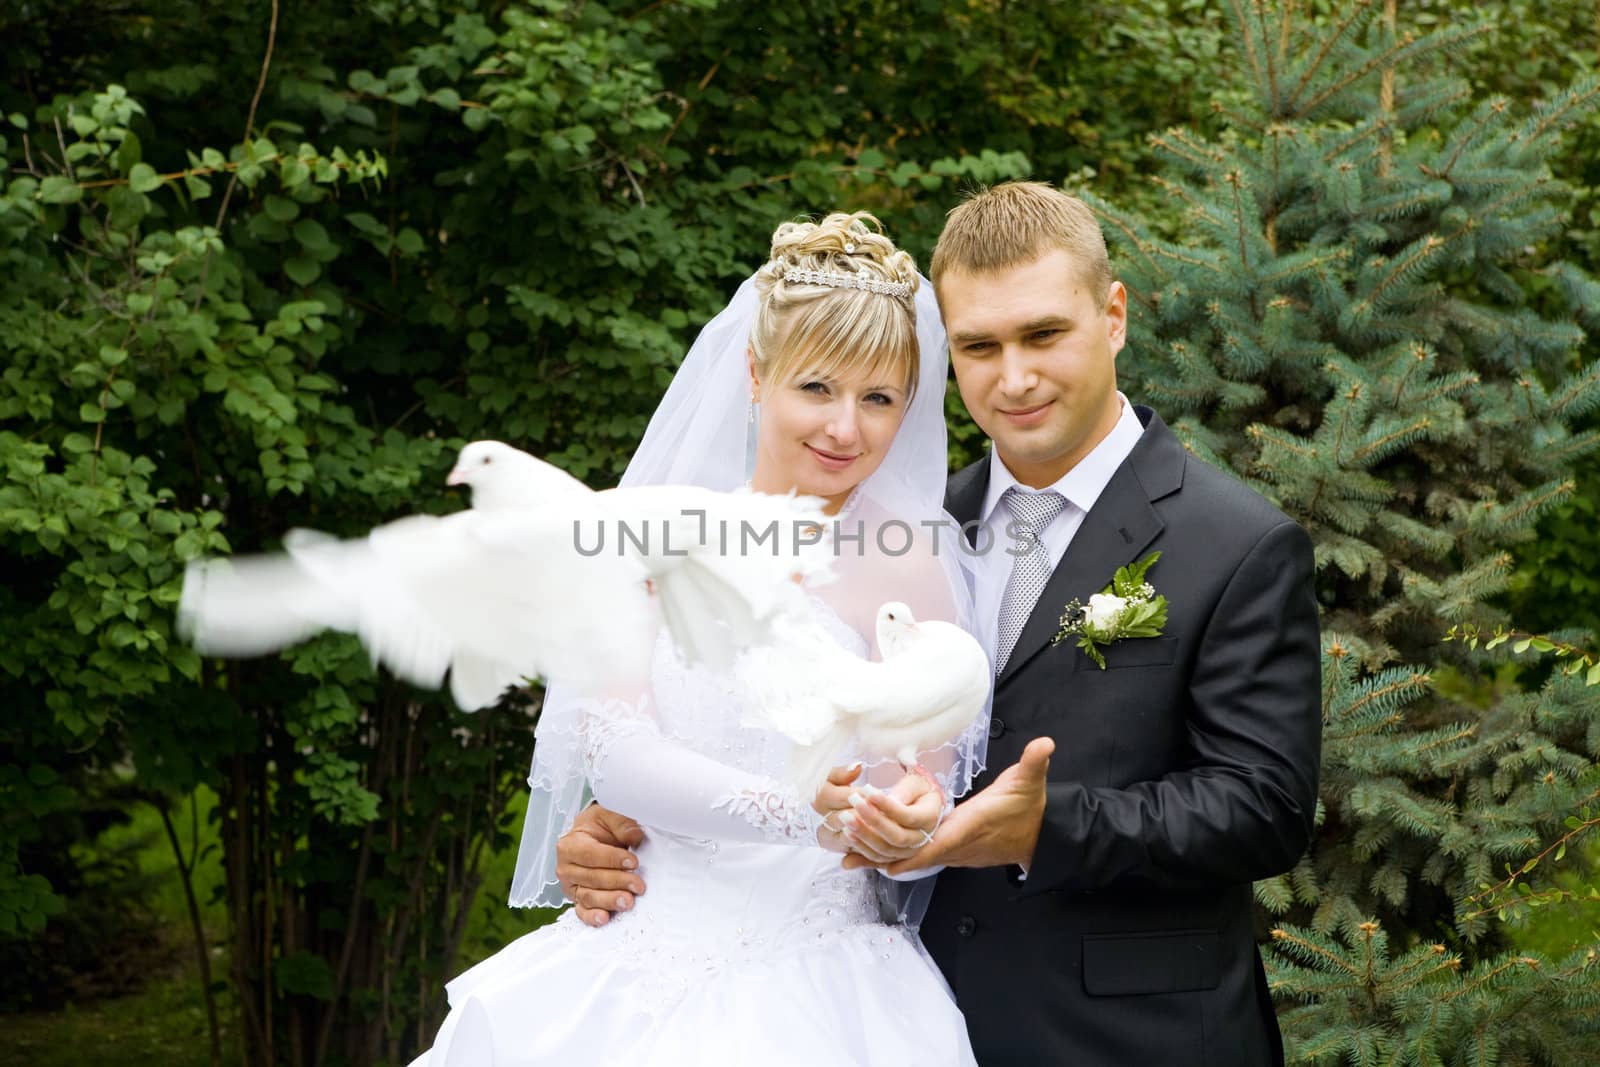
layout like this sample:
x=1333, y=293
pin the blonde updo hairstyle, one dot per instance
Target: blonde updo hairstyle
x=806, y=328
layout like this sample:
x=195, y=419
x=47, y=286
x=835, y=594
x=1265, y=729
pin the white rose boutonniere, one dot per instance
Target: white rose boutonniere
x=1128, y=607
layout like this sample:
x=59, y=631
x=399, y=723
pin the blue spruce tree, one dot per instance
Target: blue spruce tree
x=1342, y=319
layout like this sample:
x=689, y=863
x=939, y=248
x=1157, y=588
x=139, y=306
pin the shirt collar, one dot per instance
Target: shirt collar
x=1083, y=484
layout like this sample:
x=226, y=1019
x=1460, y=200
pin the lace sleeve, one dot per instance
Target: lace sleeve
x=633, y=769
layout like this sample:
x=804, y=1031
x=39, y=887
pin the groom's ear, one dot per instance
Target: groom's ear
x=1117, y=316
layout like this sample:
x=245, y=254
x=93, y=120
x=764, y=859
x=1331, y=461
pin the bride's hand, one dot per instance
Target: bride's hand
x=831, y=802
x=881, y=827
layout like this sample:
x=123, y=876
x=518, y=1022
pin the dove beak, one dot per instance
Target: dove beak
x=455, y=477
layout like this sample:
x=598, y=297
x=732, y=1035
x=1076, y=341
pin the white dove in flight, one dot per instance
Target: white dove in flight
x=536, y=580
x=932, y=683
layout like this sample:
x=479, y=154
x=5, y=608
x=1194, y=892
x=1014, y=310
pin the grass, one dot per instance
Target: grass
x=163, y=1024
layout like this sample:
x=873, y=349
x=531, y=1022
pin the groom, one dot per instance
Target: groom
x=1094, y=906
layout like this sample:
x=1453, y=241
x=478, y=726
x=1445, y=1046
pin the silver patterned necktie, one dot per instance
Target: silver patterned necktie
x=1029, y=571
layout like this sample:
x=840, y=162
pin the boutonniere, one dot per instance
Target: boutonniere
x=1128, y=607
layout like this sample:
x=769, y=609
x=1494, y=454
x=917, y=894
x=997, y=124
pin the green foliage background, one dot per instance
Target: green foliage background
x=224, y=316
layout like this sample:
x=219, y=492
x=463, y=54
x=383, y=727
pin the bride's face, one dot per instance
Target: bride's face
x=822, y=436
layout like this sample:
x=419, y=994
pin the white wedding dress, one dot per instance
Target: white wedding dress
x=751, y=946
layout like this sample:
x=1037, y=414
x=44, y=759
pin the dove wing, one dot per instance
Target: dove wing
x=252, y=605
x=944, y=667
x=494, y=598
x=941, y=685
x=515, y=600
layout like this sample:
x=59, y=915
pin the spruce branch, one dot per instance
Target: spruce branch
x=1235, y=118
x=1409, y=264
x=1396, y=689
x=1493, y=112
x=1243, y=22
x=1106, y=215
x=1564, y=108
x=1267, y=51
x=1384, y=444
x=1310, y=950
x=1177, y=191
x=1357, y=12
x=1340, y=146
x=1178, y=143
x=1235, y=180
x=1407, y=48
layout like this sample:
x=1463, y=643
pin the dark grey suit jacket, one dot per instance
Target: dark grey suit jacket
x=1183, y=771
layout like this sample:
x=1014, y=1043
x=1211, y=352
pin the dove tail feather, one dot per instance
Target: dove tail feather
x=809, y=765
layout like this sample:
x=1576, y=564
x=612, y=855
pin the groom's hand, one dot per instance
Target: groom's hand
x=994, y=827
x=595, y=866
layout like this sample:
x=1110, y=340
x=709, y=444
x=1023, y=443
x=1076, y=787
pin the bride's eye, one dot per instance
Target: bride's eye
x=881, y=398
x=819, y=388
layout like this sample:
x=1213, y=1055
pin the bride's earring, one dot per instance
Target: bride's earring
x=751, y=444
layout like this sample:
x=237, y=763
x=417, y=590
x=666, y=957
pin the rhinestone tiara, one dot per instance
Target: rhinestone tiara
x=847, y=281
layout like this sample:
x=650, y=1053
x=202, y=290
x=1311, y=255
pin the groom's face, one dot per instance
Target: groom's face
x=1035, y=358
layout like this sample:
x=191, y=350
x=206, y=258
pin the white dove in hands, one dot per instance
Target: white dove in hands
x=932, y=683
x=536, y=579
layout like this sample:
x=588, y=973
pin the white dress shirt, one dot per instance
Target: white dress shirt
x=1081, y=486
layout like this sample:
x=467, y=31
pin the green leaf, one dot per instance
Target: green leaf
x=293, y=173
x=58, y=189
x=311, y=235
x=1089, y=647
x=303, y=270
x=366, y=224
x=143, y=178
x=279, y=208
x=91, y=413
x=364, y=81
x=409, y=241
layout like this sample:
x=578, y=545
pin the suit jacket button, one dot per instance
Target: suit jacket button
x=996, y=728
x=967, y=926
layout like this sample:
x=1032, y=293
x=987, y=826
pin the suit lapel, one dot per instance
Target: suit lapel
x=1114, y=533
x=965, y=490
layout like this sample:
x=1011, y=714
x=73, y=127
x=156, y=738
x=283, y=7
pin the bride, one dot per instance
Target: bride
x=825, y=375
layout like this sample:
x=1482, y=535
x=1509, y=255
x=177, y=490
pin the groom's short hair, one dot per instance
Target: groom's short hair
x=1006, y=225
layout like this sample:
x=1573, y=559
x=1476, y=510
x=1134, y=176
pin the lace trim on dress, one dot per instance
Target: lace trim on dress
x=607, y=723
x=780, y=815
